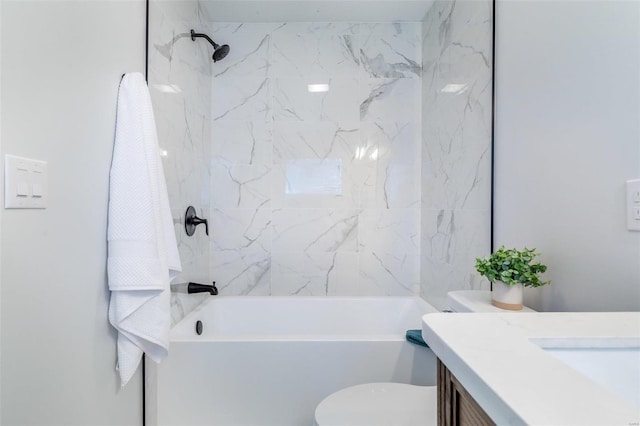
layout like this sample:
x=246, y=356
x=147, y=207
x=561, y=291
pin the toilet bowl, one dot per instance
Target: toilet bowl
x=379, y=404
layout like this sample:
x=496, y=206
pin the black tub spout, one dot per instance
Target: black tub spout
x=202, y=288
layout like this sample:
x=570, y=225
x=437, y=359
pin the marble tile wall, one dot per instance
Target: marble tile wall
x=180, y=86
x=456, y=146
x=316, y=193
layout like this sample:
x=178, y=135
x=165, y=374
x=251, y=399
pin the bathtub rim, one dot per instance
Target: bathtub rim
x=382, y=337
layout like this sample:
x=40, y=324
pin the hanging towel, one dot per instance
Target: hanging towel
x=143, y=254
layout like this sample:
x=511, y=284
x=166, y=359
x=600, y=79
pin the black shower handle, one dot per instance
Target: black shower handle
x=191, y=221
x=197, y=221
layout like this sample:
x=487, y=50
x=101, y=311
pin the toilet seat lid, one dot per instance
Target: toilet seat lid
x=379, y=404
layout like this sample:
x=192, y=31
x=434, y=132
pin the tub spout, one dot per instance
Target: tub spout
x=202, y=288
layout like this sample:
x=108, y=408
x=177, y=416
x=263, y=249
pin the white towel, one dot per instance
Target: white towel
x=143, y=254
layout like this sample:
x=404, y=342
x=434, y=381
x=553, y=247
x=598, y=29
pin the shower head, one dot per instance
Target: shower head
x=219, y=52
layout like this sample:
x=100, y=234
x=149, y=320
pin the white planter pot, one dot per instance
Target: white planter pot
x=506, y=296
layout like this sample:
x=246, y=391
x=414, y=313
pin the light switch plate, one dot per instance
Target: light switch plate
x=633, y=205
x=25, y=183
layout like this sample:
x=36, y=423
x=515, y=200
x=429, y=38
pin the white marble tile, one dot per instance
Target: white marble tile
x=242, y=32
x=240, y=98
x=389, y=274
x=453, y=234
x=451, y=241
x=390, y=99
x=242, y=142
x=454, y=176
x=233, y=229
x=179, y=10
x=236, y=185
x=249, y=48
x=183, y=303
x=290, y=55
x=314, y=49
x=292, y=100
x=457, y=126
x=391, y=142
x=391, y=186
x=182, y=153
x=391, y=50
x=315, y=230
x=320, y=140
x=335, y=55
x=177, y=65
x=350, y=28
x=180, y=86
x=368, y=121
x=387, y=166
x=456, y=146
x=242, y=272
x=312, y=273
x=468, y=22
x=389, y=231
x=344, y=278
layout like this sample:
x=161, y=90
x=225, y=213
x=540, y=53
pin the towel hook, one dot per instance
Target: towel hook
x=191, y=221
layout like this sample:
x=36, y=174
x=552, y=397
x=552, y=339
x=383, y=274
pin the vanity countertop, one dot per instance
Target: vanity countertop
x=498, y=358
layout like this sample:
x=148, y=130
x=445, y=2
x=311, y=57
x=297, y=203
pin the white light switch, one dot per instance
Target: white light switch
x=633, y=205
x=36, y=190
x=25, y=183
x=22, y=189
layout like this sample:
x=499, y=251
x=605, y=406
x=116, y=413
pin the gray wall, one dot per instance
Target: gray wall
x=61, y=65
x=567, y=138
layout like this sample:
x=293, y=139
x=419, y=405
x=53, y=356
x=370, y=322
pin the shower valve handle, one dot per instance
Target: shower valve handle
x=191, y=221
x=197, y=221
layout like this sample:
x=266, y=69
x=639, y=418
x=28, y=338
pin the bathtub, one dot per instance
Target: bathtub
x=271, y=360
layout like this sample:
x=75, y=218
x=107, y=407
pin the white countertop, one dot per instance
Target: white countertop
x=476, y=301
x=515, y=381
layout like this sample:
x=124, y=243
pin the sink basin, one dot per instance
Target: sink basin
x=615, y=367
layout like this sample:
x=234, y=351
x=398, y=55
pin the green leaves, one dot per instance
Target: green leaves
x=512, y=267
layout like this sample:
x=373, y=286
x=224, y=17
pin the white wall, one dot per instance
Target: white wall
x=61, y=65
x=567, y=138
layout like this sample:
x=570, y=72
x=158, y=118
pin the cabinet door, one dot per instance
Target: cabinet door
x=456, y=407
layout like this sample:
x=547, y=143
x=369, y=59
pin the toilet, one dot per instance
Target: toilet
x=396, y=404
x=379, y=404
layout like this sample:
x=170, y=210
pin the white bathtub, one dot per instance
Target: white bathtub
x=271, y=360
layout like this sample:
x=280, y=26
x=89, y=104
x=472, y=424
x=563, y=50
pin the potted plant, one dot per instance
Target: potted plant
x=509, y=270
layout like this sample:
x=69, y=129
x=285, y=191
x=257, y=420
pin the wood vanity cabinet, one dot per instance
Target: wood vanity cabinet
x=456, y=406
